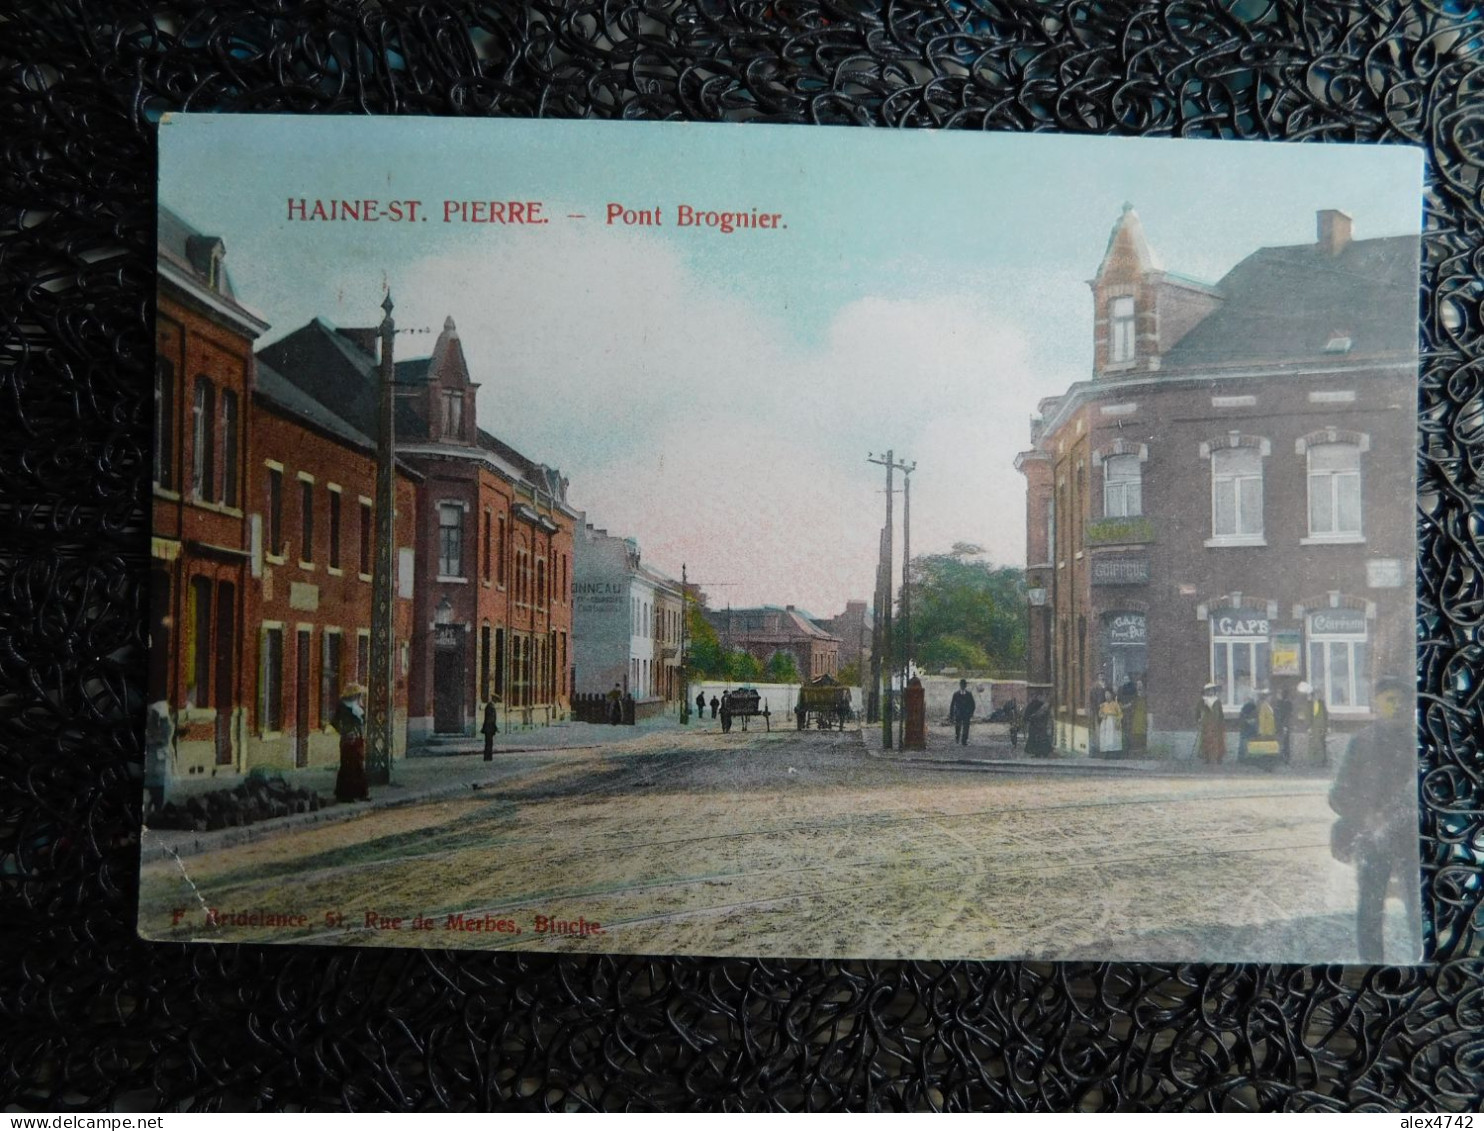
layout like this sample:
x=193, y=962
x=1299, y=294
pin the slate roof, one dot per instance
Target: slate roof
x=278, y=390
x=331, y=369
x=791, y=622
x=492, y=443
x=178, y=243
x=1287, y=303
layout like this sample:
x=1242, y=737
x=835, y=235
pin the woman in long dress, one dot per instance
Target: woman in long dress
x=1211, y=726
x=350, y=721
x=1110, y=725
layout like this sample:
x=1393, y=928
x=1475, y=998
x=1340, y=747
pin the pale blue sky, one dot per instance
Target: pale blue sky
x=930, y=287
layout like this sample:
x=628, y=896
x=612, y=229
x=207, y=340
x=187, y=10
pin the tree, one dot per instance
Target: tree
x=743, y=667
x=850, y=674
x=782, y=668
x=966, y=612
x=706, y=658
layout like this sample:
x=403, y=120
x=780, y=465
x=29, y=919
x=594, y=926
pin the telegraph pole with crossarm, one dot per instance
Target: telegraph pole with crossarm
x=889, y=462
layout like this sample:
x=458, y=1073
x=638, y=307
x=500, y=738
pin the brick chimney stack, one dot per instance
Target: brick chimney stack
x=1334, y=230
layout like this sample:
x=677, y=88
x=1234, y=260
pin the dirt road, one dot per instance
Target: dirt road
x=791, y=845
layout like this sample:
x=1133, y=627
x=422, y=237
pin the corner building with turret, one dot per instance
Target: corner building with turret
x=1229, y=498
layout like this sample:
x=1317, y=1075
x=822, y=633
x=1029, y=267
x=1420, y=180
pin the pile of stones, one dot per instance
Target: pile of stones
x=256, y=799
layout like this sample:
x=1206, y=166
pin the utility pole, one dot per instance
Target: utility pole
x=889, y=462
x=684, y=669
x=873, y=700
x=383, y=649
x=906, y=585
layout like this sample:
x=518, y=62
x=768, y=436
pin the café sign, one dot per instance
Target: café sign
x=1127, y=628
x=1240, y=622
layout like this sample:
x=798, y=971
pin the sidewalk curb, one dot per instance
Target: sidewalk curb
x=154, y=845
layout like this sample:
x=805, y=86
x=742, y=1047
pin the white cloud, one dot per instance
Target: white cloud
x=688, y=417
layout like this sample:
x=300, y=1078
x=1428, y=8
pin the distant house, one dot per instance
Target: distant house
x=626, y=622
x=767, y=630
x=853, y=629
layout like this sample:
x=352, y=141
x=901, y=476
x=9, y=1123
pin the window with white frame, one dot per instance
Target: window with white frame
x=450, y=540
x=1121, y=329
x=1236, y=493
x=1334, y=490
x=1122, y=487
x=1240, y=654
x=1338, y=658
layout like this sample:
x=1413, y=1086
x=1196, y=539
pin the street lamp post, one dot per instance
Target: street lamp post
x=383, y=647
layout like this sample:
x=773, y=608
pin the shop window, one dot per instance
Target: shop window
x=1339, y=659
x=1122, y=487
x=1334, y=491
x=1240, y=654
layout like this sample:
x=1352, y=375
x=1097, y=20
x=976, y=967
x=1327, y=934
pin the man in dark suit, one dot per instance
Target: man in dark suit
x=961, y=711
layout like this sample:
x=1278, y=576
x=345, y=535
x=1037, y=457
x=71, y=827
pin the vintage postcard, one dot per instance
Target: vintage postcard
x=777, y=541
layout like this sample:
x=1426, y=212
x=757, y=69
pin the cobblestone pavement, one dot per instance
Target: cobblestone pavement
x=789, y=844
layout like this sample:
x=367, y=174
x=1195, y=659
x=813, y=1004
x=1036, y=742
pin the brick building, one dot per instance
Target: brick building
x=1228, y=497
x=766, y=630
x=201, y=653
x=626, y=621
x=492, y=612
x=311, y=495
x=853, y=629
x=261, y=588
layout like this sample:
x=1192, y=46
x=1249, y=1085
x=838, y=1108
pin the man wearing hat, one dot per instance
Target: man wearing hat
x=1375, y=799
x=1210, y=744
x=961, y=712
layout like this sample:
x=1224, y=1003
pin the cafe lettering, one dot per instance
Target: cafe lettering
x=1239, y=624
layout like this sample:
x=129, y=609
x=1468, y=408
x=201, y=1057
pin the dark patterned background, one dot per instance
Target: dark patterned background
x=90, y=1017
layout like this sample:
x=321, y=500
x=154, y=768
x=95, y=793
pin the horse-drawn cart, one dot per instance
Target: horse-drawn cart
x=743, y=703
x=826, y=703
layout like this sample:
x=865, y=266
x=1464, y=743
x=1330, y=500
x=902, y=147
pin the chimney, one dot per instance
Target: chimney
x=790, y=608
x=1334, y=231
x=367, y=339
